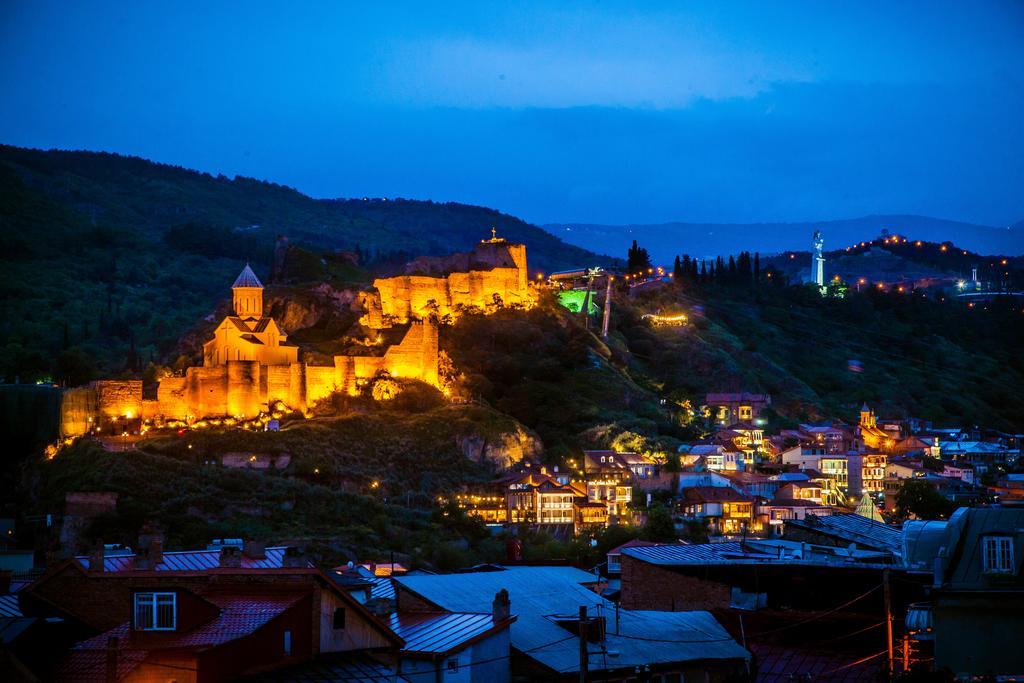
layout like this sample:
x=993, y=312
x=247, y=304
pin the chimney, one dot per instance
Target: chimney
x=294, y=557
x=501, y=607
x=97, y=557
x=230, y=557
x=255, y=550
x=151, y=546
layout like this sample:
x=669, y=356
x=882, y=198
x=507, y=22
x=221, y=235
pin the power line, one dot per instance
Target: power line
x=818, y=616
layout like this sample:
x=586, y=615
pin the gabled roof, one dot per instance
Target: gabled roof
x=441, y=633
x=247, y=278
x=240, y=616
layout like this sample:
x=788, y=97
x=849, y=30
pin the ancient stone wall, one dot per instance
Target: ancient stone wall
x=495, y=271
x=119, y=398
x=77, y=406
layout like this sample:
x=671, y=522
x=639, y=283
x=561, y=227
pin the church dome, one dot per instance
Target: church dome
x=247, y=278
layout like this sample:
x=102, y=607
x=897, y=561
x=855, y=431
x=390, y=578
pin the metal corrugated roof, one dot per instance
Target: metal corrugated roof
x=247, y=278
x=9, y=606
x=858, y=529
x=190, y=561
x=756, y=551
x=539, y=593
x=382, y=588
x=439, y=633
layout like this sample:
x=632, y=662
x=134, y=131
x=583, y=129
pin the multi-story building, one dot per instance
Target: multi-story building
x=726, y=510
x=727, y=408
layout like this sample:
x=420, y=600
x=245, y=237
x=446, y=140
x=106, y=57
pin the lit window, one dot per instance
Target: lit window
x=155, y=611
x=997, y=554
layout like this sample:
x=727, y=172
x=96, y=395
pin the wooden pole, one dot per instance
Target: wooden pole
x=583, y=644
x=888, y=619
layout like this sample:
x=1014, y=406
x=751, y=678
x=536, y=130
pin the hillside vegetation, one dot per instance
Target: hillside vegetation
x=915, y=353
x=109, y=259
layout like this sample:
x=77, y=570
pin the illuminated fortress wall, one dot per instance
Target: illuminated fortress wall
x=251, y=383
x=246, y=388
x=497, y=269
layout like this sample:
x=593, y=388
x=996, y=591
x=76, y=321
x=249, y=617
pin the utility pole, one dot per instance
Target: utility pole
x=584, y=663
x=607, y=308
x=888, y=618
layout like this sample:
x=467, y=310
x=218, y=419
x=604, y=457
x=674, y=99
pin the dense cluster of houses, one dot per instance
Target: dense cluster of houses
x=743, y=482
x=838, y=597
x=802, y=577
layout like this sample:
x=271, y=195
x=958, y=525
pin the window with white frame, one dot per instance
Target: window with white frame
x=156, y=611
x=453, y=665
x=997, y=554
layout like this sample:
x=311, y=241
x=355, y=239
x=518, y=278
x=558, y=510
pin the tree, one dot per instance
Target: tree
x=919, y=498
x=637, y=259
x=659, y=526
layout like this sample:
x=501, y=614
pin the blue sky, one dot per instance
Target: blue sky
x=585, y=112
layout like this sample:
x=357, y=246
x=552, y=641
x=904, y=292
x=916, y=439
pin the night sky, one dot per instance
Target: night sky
x=592, y=112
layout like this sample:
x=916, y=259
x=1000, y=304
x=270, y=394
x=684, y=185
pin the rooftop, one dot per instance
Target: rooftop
x=856, y=529
x=539, y=593
x=440, y=633
x=247, y=278
x=190, y=561
x=752, y=551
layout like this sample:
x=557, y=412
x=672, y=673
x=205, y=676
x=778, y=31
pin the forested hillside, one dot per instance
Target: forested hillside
x=108, y=259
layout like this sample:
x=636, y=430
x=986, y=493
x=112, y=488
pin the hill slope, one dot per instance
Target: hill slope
x=106, y=254
x=714, y=239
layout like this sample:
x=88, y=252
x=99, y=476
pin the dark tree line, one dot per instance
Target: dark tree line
x=742, y=269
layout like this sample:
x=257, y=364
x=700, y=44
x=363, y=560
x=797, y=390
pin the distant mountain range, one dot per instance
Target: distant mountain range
x=664, y=241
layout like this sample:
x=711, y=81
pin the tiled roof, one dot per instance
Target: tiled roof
x=191, y=560
x=240, y=615
x=438, y=633
x=713, y=494
x=251, y=339
x=247, y=278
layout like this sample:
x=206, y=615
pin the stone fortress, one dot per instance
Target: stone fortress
x=249, y=365
x=494, y=272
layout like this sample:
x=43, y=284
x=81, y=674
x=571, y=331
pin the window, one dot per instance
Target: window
x=288, y=643
x=339, y=618
x=997, y=554
x=453, y=665
x=156, y=611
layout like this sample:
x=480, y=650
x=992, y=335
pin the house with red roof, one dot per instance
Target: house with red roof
x=204, y=615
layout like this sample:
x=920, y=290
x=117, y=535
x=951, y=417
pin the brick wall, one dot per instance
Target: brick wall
x=649, y=587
